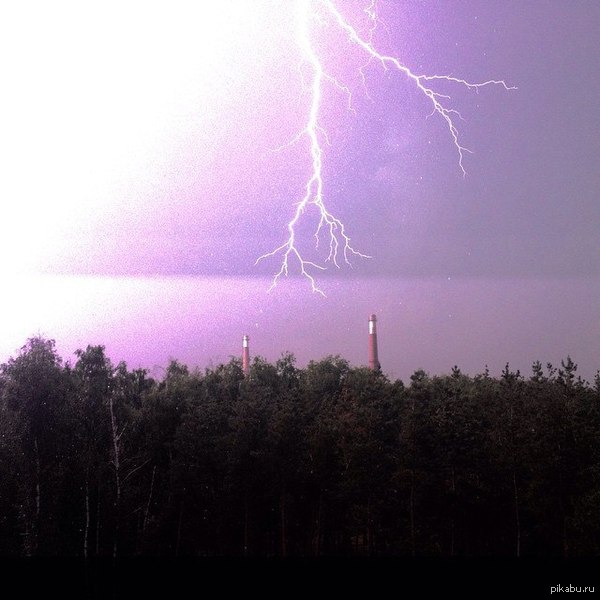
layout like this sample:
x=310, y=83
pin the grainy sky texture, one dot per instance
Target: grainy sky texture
x=141, y=180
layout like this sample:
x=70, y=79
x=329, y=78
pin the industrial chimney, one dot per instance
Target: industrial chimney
x=245, y=356
x=373, y=357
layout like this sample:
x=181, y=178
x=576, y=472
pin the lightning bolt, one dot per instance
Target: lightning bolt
x=338, y=240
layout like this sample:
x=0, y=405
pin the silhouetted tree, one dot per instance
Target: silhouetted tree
x=100, y=460
x=34, y=392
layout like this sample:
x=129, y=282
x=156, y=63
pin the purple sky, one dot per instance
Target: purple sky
x=142, y=181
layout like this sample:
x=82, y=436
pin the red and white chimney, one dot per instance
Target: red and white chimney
x=245, y=356
x=373, y=356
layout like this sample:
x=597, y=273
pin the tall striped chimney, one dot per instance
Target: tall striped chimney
x=245, y=356
x=373, y=356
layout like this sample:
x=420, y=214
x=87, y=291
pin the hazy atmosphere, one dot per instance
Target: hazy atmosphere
x=147, y=164
x=301, y=279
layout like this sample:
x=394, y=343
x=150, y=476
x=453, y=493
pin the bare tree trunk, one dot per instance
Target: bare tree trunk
x=514, y=482
x=282, y=515
x=452, y=516
x=317, y=534
x=565, y=538
x=98, y=521
x=563, y=518
x=412, y=483
x=37, y=484
x=116, y=437
x=178, y=543
x=87, y=515
x=412, y=513
x=370, y=537
x=517, y=512
x=246, y=524
x=147, y=512
x=32, y=525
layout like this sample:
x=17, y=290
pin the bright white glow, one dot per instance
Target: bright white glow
x=92, y=96
x=97, y=96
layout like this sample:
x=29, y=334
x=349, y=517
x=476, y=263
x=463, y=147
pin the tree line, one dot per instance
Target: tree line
x=326, y=460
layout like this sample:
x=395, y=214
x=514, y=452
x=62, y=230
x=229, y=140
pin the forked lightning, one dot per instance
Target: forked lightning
x=309, y=13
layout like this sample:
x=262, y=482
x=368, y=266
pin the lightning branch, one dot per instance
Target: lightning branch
x=339, y=247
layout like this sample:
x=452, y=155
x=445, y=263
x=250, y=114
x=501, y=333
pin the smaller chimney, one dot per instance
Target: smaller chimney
x=245, y=356
x=373, y=356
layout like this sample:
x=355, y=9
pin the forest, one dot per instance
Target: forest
x=97, y=460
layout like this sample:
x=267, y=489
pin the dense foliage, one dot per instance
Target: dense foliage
x=98, y=460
